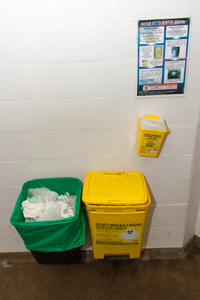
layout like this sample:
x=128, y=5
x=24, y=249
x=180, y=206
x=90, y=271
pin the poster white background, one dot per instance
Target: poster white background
x=177, y=31
x=152, y=35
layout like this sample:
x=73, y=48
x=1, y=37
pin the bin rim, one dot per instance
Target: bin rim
x=139, y=206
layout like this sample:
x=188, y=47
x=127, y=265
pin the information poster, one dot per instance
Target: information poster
x=162, y=56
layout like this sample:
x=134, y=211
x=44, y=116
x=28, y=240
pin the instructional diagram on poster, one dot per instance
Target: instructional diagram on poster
x=162, y=56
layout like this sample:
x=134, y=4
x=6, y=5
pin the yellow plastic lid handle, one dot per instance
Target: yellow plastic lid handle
x=152, y=117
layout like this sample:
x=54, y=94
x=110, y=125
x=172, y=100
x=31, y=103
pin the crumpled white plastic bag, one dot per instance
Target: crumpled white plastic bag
x=43, y=193
x=32, y=210
x=43, y=204
x=67, y=205
x=51, y=212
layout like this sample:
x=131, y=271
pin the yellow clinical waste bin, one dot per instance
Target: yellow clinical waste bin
x=117, y=205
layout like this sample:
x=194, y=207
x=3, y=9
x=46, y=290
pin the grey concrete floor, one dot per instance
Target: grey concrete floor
x=110, y=279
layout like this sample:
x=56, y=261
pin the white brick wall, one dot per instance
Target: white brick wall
x=193, y=218
x=68, y=106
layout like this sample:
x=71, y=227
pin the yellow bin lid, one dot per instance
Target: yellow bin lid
x=105, y=188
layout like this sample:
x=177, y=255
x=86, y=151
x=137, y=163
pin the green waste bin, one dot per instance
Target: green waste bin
x=56, y=241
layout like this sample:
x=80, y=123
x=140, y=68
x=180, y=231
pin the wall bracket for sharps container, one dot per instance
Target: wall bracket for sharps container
x=150, y=134
x=117, y=205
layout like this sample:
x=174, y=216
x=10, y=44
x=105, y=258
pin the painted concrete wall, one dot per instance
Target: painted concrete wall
x=197, y=232
x=68, y=106
x=192, y=216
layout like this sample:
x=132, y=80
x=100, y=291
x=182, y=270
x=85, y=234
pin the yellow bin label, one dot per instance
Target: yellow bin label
x=150, y=143
x=118, y=234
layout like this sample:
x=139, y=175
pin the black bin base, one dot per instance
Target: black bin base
x=72, y=256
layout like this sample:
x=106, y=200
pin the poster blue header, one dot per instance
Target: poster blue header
x=167, y=22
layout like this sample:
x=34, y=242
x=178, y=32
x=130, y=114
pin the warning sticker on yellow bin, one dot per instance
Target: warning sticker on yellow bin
x=129, y=234
x=117, y=234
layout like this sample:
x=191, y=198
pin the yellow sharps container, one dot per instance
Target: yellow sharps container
x=150, y=133
x=117, y=205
